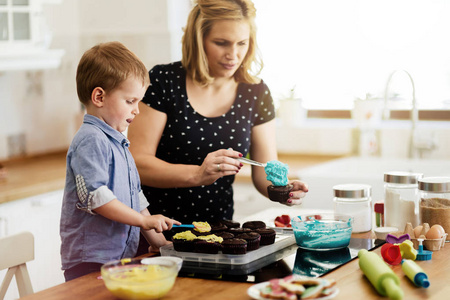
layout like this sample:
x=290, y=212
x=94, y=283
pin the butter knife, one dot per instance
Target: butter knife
x=251, y=162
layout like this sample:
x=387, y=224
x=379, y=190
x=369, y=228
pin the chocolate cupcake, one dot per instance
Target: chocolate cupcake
x=208, y=244
x=267, y=236
x=230, y=223
x=280, y=189
x=184, y=241
x=253, y=240
x=197, y=233
x=253, y=225
x=201, y=228
x=206, y=247
x=237, y=231
x=234, y=246
x=218, y=227
x=279, y=193
x=225, y=235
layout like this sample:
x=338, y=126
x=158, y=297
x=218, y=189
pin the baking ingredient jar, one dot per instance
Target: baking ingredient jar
x=354, y=200
x=378, y=208
x=435, y=201
x=401, y=199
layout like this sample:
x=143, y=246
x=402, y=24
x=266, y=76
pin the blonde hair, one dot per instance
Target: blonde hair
x=107, y=65
x=200, y=21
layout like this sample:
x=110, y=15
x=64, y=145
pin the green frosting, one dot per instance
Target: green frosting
x=277, y=172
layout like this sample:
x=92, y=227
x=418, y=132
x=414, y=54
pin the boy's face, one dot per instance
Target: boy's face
x=120, y=106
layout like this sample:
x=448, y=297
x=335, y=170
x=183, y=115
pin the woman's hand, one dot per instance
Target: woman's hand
x=298, y=192
x=218, y=164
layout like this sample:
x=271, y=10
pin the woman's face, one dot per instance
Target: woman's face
x=226, y=46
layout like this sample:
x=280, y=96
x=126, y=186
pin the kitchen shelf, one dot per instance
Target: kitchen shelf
x=31, y=60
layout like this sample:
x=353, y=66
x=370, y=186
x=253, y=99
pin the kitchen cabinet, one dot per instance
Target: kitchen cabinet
x=40, y=215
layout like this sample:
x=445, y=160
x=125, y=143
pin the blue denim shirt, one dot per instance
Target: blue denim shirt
x=100, y=168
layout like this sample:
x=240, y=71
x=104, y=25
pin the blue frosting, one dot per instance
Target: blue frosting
x=277, y=172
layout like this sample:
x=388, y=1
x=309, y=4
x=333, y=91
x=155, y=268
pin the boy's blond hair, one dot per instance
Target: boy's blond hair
x=200, y=21
x=107, y=65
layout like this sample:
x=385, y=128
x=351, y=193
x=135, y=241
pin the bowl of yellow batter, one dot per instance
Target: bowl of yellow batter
x=135, y=279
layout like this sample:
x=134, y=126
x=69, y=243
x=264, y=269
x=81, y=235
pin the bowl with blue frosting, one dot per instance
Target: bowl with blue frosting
x=326, y=231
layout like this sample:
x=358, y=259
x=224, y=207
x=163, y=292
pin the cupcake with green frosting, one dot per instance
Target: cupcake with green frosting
x=280, y=189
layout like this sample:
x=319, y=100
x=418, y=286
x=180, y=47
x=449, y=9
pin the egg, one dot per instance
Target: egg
x=436, y=232
x=417, y=231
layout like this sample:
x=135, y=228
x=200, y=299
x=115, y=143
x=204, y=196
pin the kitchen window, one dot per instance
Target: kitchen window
x=333, y=52
x=16, y=18
x=25, y=38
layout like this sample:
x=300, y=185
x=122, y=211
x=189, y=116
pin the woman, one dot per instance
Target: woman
x=201, y=114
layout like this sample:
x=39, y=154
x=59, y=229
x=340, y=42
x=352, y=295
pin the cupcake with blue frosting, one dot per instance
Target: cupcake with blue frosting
x=280, y=189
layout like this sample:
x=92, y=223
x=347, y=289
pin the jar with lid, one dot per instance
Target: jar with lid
x=354, y=200
x=401, y=200
x=435, y=201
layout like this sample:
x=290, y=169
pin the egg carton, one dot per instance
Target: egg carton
x=429, y=244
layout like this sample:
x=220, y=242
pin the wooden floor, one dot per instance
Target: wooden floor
x=31, y=176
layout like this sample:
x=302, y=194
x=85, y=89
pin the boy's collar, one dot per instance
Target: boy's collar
x=118, y=136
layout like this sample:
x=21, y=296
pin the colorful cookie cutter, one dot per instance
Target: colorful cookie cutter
x=392, y=239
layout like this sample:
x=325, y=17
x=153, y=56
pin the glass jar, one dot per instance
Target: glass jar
x=401, y=200
x=435, y=201
x=354, y=200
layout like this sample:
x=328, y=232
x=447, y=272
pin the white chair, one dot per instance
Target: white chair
x=15, y=251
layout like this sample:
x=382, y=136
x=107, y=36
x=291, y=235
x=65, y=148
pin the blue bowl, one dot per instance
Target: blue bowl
x=322, y=231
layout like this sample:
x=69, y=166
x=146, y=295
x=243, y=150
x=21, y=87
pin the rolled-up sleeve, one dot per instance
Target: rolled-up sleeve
x=90, y=165
x=143, y=203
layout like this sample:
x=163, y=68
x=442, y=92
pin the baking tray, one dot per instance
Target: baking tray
x=282, y=240
x=221, y=271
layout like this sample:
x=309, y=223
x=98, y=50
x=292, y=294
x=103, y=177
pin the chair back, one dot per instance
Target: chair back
x=15, y=251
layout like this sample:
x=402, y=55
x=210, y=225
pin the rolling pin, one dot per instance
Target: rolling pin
x=380, y=275
x=415, y=273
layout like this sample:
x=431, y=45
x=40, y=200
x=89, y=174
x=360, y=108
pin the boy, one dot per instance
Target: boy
x=103, y=205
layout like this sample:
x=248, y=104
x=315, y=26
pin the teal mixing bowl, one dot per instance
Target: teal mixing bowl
x=322, y=231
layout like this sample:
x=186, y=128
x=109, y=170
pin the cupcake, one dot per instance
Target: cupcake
x=201, y=228
x=237, y=231
x=234, y=246
x=253, y=225
x=218, y=227
x=184, y=241
x=230, y=223
x=210, y=244
x=225, y=235
x=276, y=173
x=253, y=240
x=267, y=236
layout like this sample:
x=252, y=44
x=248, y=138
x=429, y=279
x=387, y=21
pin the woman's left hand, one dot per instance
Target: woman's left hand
x=297, y=194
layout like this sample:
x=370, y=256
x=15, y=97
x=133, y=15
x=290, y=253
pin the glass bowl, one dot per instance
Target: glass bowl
x=135, y=278
x=322, y=231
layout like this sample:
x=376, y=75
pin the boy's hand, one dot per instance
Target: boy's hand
x=155, y=248
x=159, y=223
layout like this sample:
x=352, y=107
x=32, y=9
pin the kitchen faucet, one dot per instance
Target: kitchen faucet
x=414, y=112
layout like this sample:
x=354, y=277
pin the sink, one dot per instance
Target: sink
x=368, y=170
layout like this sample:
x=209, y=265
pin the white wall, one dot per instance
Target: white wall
x=43, y=105
x=341, y=137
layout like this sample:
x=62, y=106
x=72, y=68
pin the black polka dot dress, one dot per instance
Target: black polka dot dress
x=188, y=137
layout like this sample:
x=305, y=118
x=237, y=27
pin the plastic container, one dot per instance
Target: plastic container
x=401, y=199
x=282, y=240
x=435, y=201
x=354, y=200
